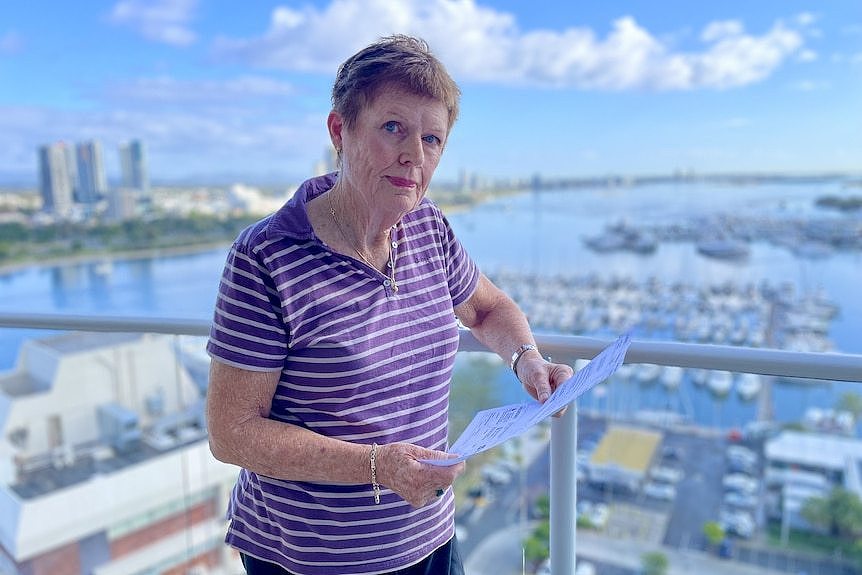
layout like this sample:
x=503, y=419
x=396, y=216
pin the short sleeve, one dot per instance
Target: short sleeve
x=248, y=330
x=461, y=271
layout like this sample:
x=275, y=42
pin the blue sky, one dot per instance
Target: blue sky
x=220, y=89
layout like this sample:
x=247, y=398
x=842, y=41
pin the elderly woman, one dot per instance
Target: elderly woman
x=334, y=339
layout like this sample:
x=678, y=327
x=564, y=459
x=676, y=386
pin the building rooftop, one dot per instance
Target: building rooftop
x=627, y=447
x=814, y=450
x=74, y=342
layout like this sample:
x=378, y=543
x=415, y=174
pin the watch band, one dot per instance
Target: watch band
x=516, y=357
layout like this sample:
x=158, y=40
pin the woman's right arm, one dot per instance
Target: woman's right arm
x=240, y=433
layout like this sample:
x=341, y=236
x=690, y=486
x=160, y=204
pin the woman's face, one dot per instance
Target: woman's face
x=391, y=152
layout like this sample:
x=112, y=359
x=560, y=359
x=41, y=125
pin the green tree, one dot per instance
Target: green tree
x=852, y=402
x=654, y=563
x=714, y=533
x=543, y=506
x=840, y=513
x=537, y=547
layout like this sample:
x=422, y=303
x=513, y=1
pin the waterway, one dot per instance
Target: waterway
x=540, y=233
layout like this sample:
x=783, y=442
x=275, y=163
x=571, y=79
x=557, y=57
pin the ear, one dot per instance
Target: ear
x=335, y=124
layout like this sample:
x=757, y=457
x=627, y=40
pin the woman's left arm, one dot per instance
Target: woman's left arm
x=498, y=322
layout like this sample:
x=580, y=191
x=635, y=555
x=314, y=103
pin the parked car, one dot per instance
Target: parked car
x=736, y=499
x=672, y=453
x=742, y=454
x=666, y=474
x=736, y=522
x=741, y=483
x=495, y=474
x=657, y=490
x=596, y=513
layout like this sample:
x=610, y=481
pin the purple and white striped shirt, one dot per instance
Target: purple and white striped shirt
x=358, y=362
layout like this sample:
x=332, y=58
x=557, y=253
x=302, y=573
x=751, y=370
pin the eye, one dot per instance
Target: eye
x=391, y=126
x=432, y=139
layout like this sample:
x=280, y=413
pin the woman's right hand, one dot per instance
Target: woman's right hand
x=399, y=469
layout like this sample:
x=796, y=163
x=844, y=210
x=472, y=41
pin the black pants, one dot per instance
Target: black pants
x=444, y=561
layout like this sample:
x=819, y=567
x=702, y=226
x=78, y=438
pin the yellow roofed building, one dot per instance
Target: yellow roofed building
x=624, y=456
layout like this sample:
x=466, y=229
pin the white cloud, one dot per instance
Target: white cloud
x=164, y=21
x=808, y=56
x=11, y=43
x=169, y=90
x=810, y=86
x=716, y=31
x=806, y=18
x=737, y=123
x=482, y=44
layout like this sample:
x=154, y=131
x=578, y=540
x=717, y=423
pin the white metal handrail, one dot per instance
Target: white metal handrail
x=566, y=348
x=782, y=363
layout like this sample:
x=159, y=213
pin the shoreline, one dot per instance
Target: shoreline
x=17, y=266
x=78, y=259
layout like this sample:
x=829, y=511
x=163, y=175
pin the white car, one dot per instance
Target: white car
x=741, y=482
x=663, y=491
x=742, y=455
x=596, y=513
x=739, y=523
x=496, y=475
x=735, y=499
x=666, y=474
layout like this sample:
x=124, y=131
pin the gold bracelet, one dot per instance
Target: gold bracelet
x=374, y=484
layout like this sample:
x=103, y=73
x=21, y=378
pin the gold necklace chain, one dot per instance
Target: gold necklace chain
x=390, y=264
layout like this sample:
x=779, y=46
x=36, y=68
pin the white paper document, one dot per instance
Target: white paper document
x=492, y=427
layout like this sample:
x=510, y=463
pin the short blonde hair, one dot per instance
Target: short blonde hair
x=397, y=61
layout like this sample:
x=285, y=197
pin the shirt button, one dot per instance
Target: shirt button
x=387, y=283
x=394, y=244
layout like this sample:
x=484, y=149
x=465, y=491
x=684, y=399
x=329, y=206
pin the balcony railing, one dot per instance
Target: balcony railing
x=823, y=366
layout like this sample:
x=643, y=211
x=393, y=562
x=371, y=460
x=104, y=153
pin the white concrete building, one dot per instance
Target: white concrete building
x=801, y=465
x=104, y=461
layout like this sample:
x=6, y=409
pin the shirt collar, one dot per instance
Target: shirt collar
x=291, y=219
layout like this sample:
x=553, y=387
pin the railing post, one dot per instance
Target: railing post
x=564, y=490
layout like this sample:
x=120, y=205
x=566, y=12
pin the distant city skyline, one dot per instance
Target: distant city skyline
x=225, y=92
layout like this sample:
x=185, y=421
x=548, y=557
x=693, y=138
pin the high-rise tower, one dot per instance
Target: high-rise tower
x=55, y=178
x=133, y=161
x=92, y=183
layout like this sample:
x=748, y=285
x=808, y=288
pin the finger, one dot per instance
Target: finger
x=542, y=385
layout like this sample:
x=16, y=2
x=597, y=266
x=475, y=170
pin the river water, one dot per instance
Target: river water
x=539, y=233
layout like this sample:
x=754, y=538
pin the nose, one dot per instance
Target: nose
x=413, y=153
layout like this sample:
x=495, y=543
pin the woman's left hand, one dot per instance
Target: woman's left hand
x=540, y=378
